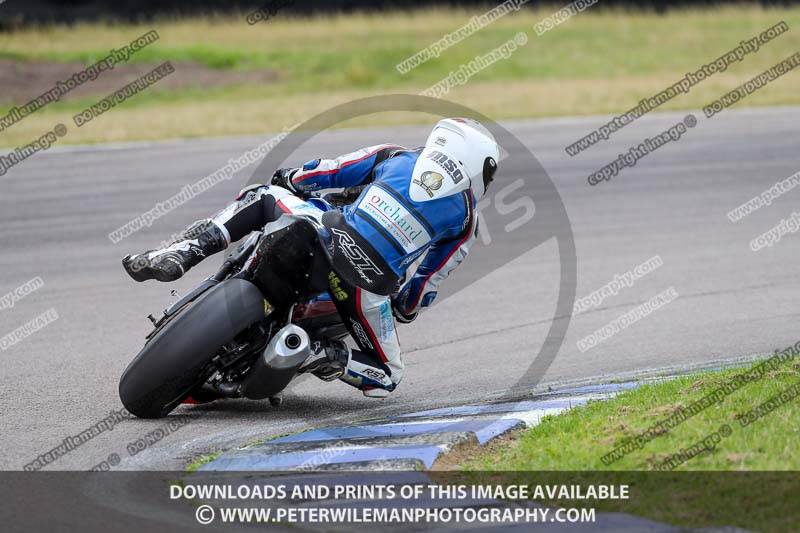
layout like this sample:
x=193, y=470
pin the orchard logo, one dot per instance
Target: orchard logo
x=398, y=221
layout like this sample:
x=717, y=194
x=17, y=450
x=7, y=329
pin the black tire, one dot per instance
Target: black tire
x=171, y=364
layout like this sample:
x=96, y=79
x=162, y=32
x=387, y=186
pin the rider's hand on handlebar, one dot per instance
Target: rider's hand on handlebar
x=283, y=178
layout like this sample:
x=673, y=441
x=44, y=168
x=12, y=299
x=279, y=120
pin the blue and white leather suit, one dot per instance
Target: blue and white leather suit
x=412, y=206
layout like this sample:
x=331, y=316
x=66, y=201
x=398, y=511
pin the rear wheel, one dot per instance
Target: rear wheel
x=177, y=358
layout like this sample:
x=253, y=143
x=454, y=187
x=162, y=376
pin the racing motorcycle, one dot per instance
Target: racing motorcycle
x=244, y=331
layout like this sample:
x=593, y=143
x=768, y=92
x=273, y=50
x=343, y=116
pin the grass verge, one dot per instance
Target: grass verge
x=690, y=495
x=199, y=461
x=580, y=438
x=600, y=61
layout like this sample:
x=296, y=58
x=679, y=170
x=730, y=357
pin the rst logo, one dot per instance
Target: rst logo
x=413, y=257
x=448, y=165
x=374, y=374
x=361, y=335
x=357, y=257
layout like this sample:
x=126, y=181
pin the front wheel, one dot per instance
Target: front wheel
x=173, y=363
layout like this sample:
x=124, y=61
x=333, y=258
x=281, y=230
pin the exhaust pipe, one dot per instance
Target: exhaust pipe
x=278, y=364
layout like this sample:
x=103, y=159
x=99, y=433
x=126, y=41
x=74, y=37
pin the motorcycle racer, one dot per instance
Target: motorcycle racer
x=414, y=203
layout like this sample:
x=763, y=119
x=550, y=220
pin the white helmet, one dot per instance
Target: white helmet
x=463, y=148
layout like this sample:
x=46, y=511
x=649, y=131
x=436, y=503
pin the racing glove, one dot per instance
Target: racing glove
x=403, y=318
x=283, y=178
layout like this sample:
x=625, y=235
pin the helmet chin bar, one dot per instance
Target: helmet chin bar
x=489, y=168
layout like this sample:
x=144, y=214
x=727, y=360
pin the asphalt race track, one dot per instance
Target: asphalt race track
x=57, y=209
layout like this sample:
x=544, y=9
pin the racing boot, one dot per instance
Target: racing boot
x=201, y=239
x=333, y=359
x=328, y=359
x=363, y=374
